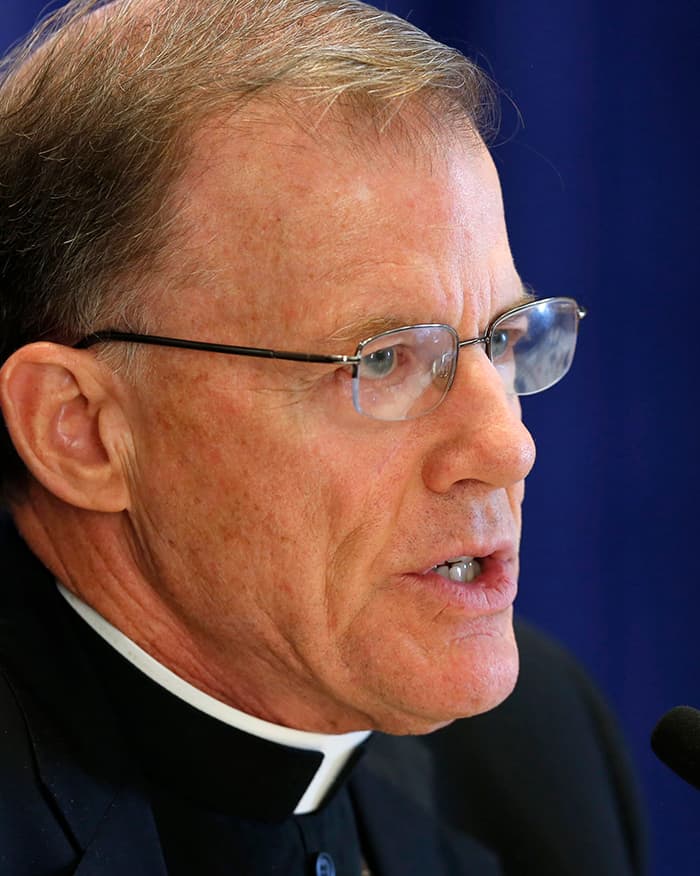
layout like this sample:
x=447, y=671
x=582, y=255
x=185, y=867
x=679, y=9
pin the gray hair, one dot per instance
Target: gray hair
x=97, y=114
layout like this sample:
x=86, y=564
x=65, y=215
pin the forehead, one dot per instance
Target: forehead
x=291, y=233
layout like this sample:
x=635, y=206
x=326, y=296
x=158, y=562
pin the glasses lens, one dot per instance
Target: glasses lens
x=533, y=347
x=406, y=372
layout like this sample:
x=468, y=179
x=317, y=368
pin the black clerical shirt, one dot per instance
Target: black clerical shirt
x=224, y=799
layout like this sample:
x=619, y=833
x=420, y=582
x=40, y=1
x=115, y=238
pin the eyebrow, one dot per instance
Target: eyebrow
x=366, y=327
x=527, y=295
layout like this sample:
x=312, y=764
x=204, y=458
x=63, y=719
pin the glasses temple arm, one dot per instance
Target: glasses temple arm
x=230, y=349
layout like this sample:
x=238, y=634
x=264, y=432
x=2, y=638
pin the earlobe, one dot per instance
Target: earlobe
x=63, y=420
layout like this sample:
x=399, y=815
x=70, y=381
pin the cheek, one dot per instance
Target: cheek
x=293, y=507
x=334, y=516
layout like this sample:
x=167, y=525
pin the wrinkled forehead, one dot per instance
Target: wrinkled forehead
x=282, y=217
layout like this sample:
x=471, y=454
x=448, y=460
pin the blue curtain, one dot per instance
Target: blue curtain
x=601, y=191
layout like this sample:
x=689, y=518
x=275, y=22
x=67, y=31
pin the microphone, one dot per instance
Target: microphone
x=676, y=741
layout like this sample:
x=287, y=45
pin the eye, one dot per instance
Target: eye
x=505, y=339
x=380, y=363
x=499, y=343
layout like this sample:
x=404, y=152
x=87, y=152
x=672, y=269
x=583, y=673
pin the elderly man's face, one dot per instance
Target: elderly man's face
x=293, y=536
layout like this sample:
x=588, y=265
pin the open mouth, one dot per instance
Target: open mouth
x=461, y=569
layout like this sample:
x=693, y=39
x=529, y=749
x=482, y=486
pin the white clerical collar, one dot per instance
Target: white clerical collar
x=336, y=749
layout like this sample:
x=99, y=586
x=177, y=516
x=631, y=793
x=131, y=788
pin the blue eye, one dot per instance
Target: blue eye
x=379, y=364
x=499, y=343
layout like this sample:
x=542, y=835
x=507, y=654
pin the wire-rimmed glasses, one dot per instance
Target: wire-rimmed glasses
x=406, y=372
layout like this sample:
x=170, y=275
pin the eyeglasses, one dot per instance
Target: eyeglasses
x=406, y=372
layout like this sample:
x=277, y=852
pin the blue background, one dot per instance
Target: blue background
x=601, y=190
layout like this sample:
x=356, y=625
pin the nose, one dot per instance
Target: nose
x=479, y=434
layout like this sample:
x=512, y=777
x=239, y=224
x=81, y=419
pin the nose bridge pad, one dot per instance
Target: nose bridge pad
x=442, y=369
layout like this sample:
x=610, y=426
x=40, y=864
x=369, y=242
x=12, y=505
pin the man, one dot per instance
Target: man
x=262, y=345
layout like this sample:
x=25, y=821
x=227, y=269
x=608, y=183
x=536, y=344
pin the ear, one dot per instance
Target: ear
x=62, y=410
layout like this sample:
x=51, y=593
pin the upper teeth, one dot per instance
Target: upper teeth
x=459, y=569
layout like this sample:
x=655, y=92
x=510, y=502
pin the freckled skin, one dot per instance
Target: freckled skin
x=275, y=521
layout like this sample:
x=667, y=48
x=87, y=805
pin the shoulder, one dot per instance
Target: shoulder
x=16, y=761
x=45, y=716
x=32, y=841
x=544, y=779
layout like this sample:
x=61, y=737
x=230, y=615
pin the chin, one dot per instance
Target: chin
x=492, y=670
x=479, y=675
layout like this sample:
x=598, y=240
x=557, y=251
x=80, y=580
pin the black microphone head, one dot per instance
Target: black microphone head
x=676, y=741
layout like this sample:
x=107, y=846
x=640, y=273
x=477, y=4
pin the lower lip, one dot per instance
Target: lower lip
x=493, y=591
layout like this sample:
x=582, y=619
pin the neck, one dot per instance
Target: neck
x=100, y=558
x=95, y=556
